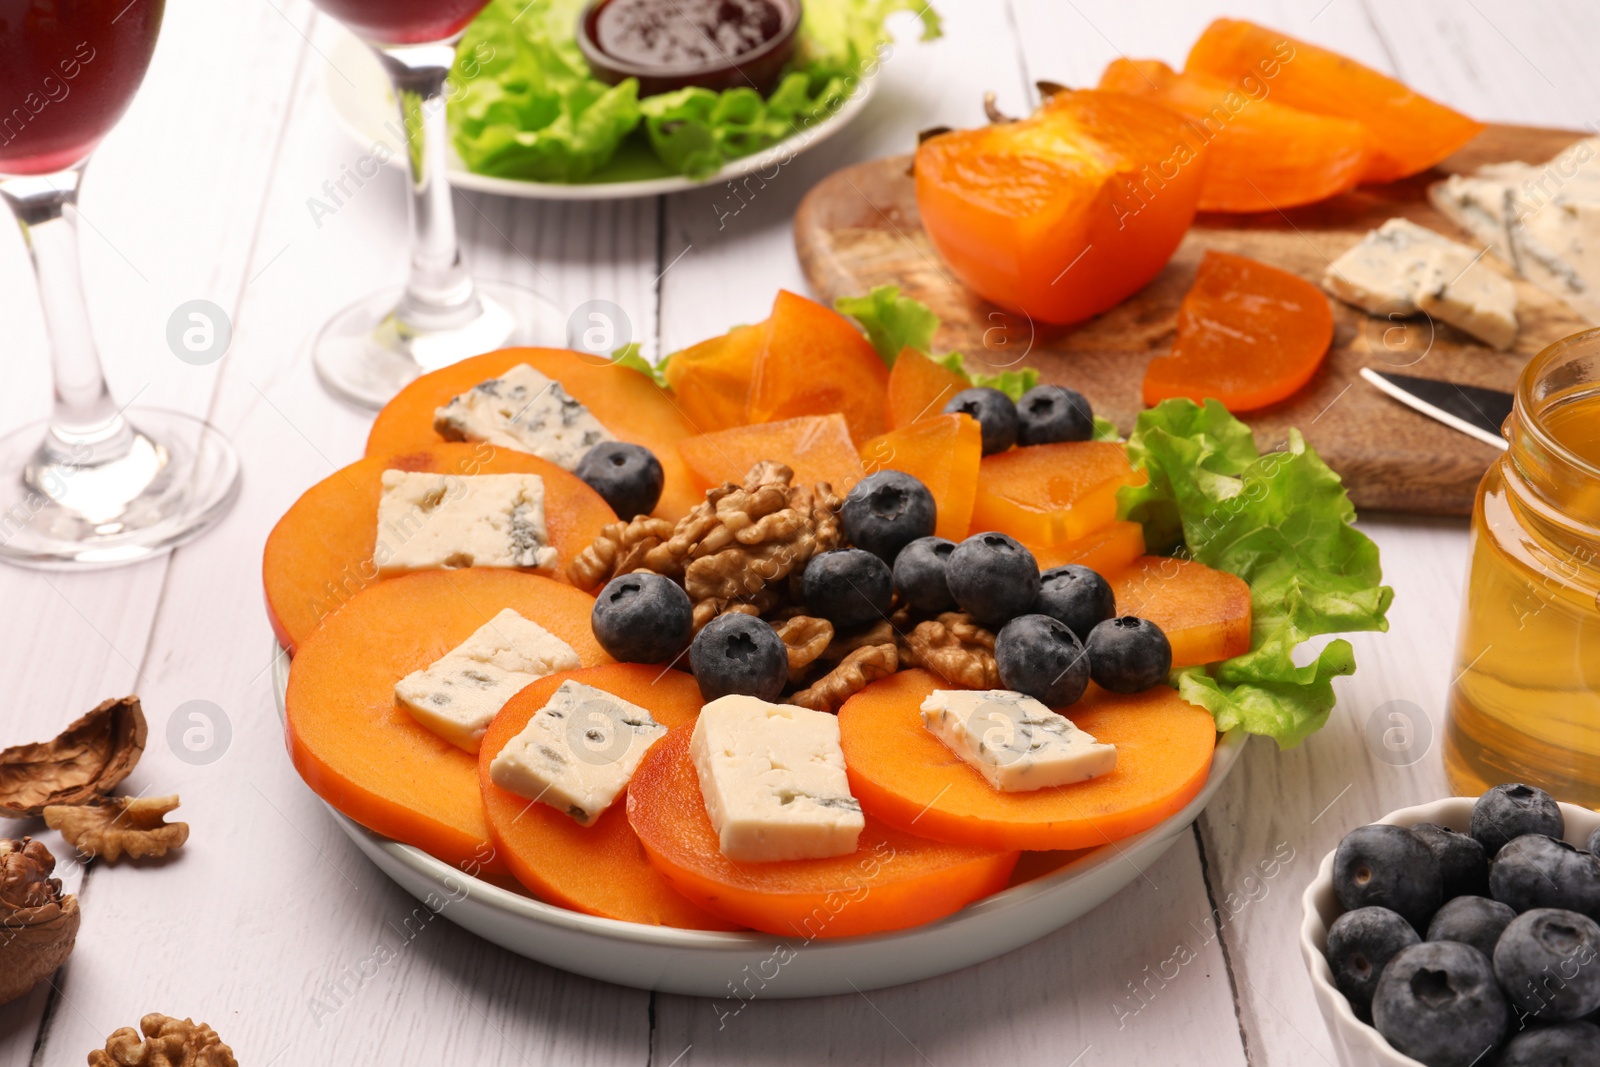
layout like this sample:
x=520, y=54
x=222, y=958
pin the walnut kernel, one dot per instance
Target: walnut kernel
x=108, y=827
x=166, y=1042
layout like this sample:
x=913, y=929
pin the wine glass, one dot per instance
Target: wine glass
x=94, y=484
x=372, y=348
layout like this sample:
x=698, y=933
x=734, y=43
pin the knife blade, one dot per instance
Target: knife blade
x=1471, y=409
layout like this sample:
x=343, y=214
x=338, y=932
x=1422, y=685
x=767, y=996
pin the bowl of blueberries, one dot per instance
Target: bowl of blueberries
x=1461, y=933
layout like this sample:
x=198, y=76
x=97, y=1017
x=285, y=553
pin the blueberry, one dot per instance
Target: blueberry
x=1360, y=944
x=1388, y=866
x=1566, y=1045
x=1077, y=596
x=642, y=618
x=1475, y=921
x=919, y=574
x=1535, y=871
x=1039, y=656
x=1437, y=1002
x=740, y=654
x=995, y=412
x=1128, y=654
x=886, y=511
x=1548, y=962
x=1511, y=810
x=993, y=578
x=850, y=587
x=1462, y=861
x=1050, y=413
x=628, y=477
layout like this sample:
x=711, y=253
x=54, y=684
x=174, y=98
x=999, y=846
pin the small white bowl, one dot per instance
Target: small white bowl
x=1357, y=1044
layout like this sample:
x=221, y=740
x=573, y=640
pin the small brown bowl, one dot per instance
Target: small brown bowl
x=759, y=68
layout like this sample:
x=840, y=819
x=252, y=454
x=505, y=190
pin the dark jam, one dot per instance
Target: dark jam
x=685, y=34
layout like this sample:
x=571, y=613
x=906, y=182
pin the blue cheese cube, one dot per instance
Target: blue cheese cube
x=1014, y=741
x=774, y=782
x=523, y=410
x=578, y=753
x=458, y=695
x=430, y=521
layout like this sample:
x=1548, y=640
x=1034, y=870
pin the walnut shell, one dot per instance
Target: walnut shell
x=85, y=760
x=40, y=921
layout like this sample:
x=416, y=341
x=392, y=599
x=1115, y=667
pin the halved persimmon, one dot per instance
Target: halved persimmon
x=943, y=452
x=1263, y=155
x=919, y=388
x=363, y=753
x=710, y=381
x=1407, y=131
x=319, y=554
x=892, y=881
x=1204, y=612
x=906, y=776
x=814, y=361
x=600, y=869
x=1249, y=335
x=1050, y=495
x=817, y=448
x=1108, y=551
x=628, y=403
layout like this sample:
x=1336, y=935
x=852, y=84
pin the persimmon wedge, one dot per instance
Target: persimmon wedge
x=1109, y=550
x=892, y=881
x=710, y=381
x=319, y=554
x=1050, y=495
x=814, y=361
x=1204, y=612
x=919, y=388
x=905, y=776
x=363, y=753
x=816, y=447
x=943, y=452
x=629, y=404
x=600, y=869
x=1249, y=335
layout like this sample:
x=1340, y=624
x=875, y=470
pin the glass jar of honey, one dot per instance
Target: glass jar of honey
x=1525, y=703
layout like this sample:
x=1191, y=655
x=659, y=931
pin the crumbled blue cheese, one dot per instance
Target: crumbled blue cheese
x=459, y=694
x=1014, y=741
x=774, y=782
x=429, y=521
x=527, y=411
x=578, y=753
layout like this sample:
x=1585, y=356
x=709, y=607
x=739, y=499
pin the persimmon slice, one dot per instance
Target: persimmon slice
x=905, y=776
x=814, y=361
x=1109, y=550
x=943, y=453
x=1050, y=495
x=1249, y=335
x=919, y=388
x=710, y=381
x=629, y=404
x=893, y=880
x=363, y=753
x=1204, y=612
x=319, y=554
x=816, y=447
x=600, y=869
x=1408, y=132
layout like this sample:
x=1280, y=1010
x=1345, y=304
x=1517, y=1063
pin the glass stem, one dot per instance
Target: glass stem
x=86, y=429
x=439, y=293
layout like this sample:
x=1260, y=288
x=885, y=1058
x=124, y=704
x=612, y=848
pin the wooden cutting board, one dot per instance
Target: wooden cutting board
x=859, y=228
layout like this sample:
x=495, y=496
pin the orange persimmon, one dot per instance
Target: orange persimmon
x=628, y=403
x=710, y=381
x=1063, y=214
x=919, y=388
x=1109, y=550
x=1204, y=612
x=1249, y=335
x=363, y=753
x=892, y=881
x=814, y=361
x=1050, y=495
x=600, y=869
x=1264, y=155
x=817, y=448
x=1407, y=132
x=942, y=452
x=320, y=553
x=903, y=774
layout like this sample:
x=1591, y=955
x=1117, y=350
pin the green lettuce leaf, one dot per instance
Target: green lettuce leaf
x=1013, y=383
x=1105, y=430
x=631, y=356
x=1282, y=522
x=894, y=322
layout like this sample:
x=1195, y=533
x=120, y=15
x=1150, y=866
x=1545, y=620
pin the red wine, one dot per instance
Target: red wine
x=404, y=21
x=68, y=69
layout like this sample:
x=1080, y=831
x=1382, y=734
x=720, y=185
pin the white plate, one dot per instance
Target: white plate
x=363, y=103
x=710, y=964
x=1356, y=1043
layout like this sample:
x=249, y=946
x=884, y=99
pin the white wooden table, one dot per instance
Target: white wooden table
x=273, y=929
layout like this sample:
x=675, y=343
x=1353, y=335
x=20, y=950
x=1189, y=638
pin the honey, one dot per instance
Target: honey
x=1525, y=702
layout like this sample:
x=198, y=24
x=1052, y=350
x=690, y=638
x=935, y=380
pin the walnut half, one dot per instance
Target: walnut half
x=111, y=826
x=86, y=759
x=166, y=1042
x=40, y=922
